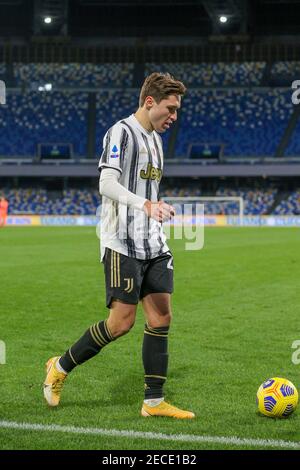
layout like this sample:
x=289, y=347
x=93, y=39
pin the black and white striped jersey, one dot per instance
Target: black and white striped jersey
x=138, y=155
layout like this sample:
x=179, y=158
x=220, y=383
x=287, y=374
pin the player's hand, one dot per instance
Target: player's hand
x=160, y=211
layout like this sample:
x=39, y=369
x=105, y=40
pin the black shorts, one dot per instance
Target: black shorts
x=130, y=279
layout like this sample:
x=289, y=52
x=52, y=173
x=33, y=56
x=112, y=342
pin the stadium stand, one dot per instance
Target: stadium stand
x=86, y=201
x=34, y=117
x=257, y=202
x=37, y=201
x=248, y=123
x=288, y=206
x=293, y=147
x=26, y=201
x=283, y=73
x=245, y=121
x=74, y=74
x=208, y=74
x=77, y=202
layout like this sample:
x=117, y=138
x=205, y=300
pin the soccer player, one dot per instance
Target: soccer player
x=3, y=211
x=138, y=264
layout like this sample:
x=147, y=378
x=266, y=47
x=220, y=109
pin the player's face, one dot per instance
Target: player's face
x=163, y=114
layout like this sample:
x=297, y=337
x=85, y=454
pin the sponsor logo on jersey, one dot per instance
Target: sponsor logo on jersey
x=151, y=173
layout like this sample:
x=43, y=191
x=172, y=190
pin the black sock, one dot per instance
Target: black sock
x=90, y=344
x=155, y=359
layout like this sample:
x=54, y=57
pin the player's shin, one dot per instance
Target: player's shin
x=155, y=360
x=90, y=344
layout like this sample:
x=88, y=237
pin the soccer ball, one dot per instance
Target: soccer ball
x=277, y=398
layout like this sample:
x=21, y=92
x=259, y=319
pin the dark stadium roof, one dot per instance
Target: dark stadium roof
x=86, y=18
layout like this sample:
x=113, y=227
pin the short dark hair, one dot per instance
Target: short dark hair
x=160, y=86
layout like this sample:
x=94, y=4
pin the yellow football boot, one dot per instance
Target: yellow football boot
x=165, y=409
x=53, y=383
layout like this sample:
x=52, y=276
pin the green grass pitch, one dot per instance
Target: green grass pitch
x=235, y=317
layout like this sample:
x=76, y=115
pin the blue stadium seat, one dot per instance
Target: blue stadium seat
x=283, y=73
x=33, y=117
x=248, y=123
x=256, y=202
x=293, y=148
x=208, y=74
x=74, y=74
x=86, y=202
x=289, y=206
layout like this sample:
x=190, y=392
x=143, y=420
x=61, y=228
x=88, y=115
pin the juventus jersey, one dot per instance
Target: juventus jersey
x=138, y=155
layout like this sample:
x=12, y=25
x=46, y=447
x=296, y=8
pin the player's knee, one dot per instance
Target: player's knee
x=165, y=312
x=121, y=329
x=162, y=318
x=167, y=318
x=125, y=327
x=121, y=319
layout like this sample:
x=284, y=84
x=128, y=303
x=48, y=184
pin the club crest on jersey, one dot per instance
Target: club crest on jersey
x=114, y=152
x=151, y=173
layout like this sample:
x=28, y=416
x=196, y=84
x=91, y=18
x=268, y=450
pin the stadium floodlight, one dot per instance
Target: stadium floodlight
x=223, y=19
x=48, y=20
x=46, y=87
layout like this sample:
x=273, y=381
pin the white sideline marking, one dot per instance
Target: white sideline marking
x=152, y=435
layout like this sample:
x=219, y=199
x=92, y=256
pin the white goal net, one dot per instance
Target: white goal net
x=208, y=205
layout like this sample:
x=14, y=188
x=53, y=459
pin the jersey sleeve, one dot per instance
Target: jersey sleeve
x=115, y=147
